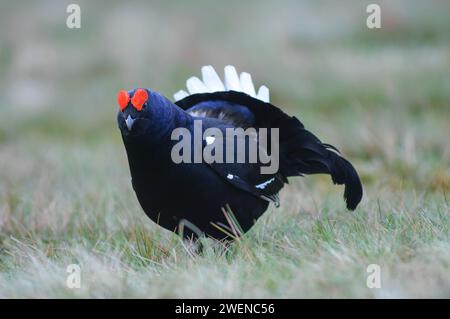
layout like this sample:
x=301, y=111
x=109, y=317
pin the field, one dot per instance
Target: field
x=381, y=96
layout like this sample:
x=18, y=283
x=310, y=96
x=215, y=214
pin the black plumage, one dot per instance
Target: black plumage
x=195, y=195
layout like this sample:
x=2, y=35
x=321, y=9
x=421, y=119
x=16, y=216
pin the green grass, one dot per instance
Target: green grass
x=382, y=97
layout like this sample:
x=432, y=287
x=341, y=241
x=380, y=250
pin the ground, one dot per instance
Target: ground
x=381, y=96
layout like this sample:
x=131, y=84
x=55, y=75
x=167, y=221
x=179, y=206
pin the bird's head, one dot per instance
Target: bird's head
x=135, y=112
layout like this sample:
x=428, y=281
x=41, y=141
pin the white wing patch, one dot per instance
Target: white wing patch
x=263, y=185
x=232, y=82
x=210, y=140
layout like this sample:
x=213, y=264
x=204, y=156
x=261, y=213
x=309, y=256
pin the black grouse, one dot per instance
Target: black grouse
x=212, y=161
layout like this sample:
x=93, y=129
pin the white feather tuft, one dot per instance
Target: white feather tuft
x=232, y=81
x=263, y=94
x=212, y=83
x=194, y=85
x=211, y=79
x=181, y=94
x=247, y=84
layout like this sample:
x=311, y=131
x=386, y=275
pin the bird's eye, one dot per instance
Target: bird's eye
x=123, y=99
x=140, y=97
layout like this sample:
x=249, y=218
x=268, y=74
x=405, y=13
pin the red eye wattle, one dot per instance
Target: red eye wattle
x=123, y=98
x=139, y=99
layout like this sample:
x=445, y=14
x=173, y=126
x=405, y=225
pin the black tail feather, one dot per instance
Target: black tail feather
x=300, y=151
x=342, y=172
x=306, y=154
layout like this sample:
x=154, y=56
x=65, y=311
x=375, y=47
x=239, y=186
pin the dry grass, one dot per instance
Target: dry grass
x=382, y=97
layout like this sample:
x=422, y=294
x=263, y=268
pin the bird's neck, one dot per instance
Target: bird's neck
x=156, y=144
x=166, y=116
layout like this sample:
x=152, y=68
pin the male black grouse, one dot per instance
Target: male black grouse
x=207, y=197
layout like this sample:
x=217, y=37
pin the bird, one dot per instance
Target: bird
x=221, y=198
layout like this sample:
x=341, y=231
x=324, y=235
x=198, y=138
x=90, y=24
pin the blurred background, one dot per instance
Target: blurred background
x=382, y=96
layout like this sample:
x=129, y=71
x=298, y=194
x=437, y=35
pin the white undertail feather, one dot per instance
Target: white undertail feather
x=211, y=79
x=232, y=82
x=181, y=94
x=263, y=93
x=194, y=85
x=247, y=84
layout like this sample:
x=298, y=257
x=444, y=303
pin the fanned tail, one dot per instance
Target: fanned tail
x=300, y=151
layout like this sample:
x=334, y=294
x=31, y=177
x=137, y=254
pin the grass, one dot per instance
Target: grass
x=381, y=98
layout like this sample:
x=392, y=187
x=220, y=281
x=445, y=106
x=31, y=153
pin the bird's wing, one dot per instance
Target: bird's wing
x=245, y=175
x=267, y=190
x=301, y=152
x=230, y=113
